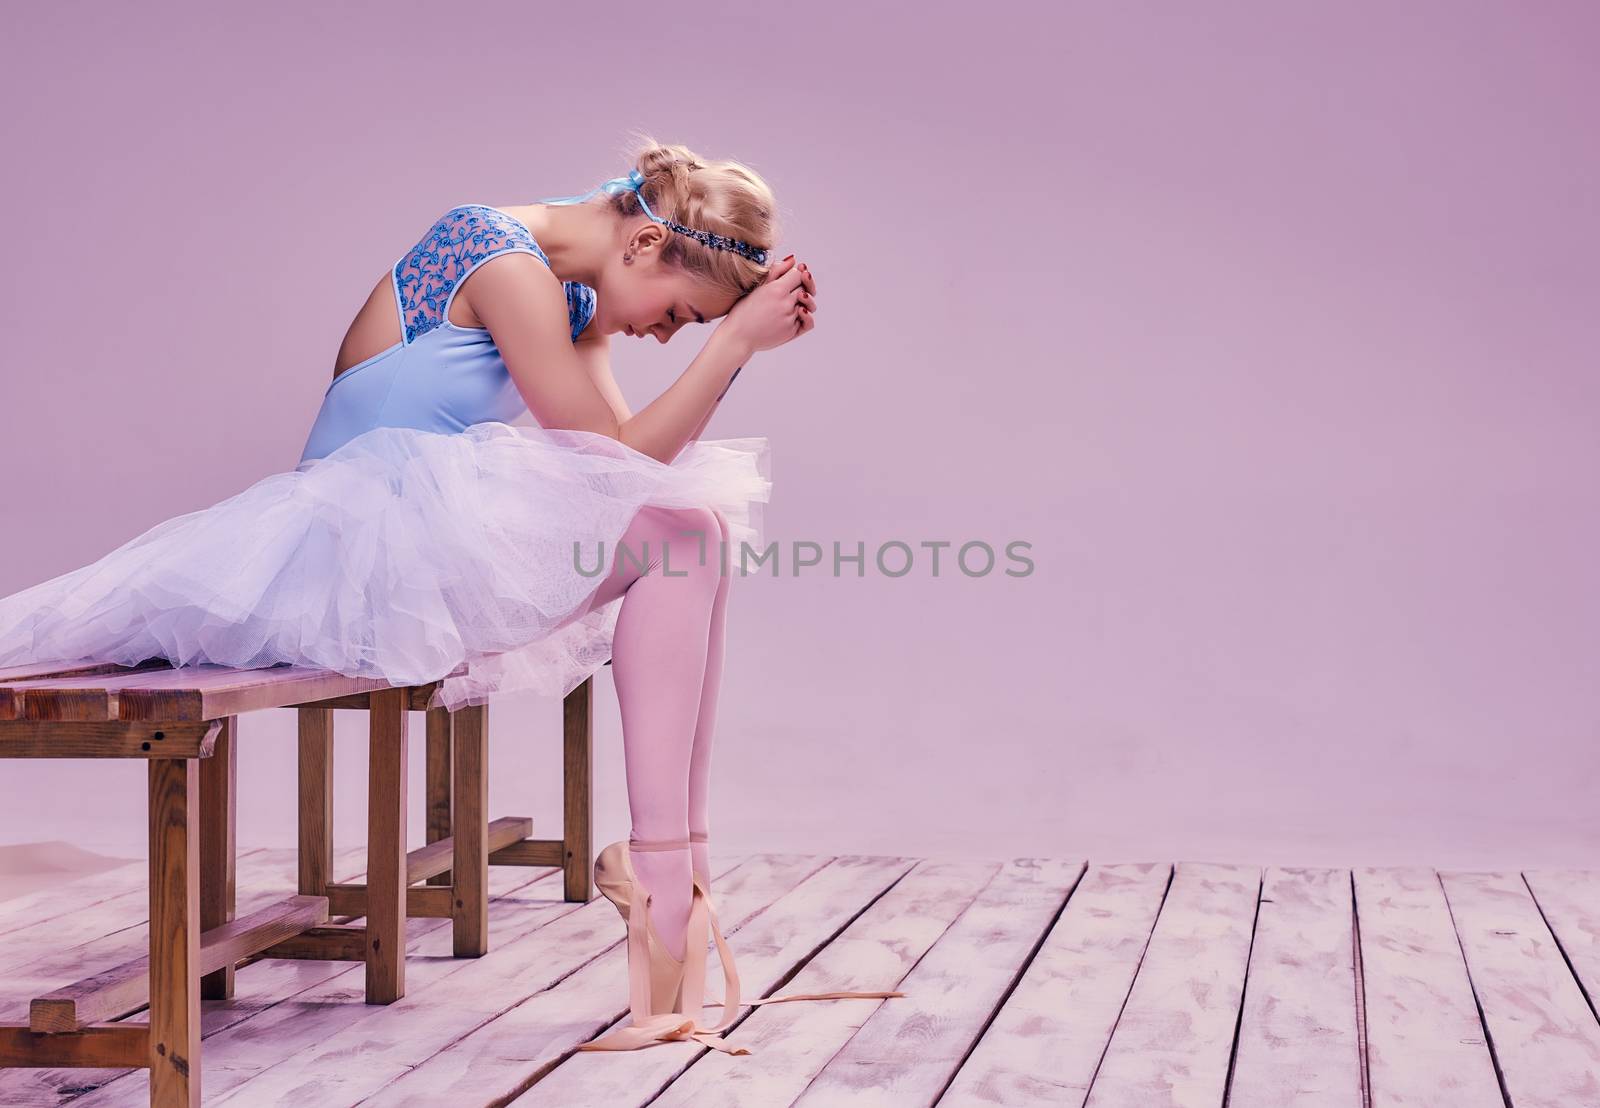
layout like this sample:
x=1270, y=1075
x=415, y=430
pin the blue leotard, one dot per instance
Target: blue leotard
x=438, y=377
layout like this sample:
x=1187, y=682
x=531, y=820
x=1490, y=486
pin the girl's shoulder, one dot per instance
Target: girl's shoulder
x=459, y=241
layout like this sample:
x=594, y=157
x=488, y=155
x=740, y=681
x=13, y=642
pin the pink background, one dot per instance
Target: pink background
x=1270, y=327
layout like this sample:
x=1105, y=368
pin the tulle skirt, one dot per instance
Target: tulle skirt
x=399, y=555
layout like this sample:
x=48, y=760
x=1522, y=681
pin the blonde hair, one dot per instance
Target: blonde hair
x=724, y=197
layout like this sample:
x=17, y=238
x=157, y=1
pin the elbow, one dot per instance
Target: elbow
x=640, y=441
x=610, y=425
x=613, y=425
x=635, y=439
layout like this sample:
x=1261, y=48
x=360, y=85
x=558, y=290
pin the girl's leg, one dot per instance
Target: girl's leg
x=706, y=722
x=658, y=662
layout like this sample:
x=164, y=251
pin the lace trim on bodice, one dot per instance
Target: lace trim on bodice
x=462, y=239
x=580, y=305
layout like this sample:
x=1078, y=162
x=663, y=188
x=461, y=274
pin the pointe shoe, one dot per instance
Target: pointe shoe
x=703, y=916
x=615, y=877
x=683, y=1023
x=652, y=972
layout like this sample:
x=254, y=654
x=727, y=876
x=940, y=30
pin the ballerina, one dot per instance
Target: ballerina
x=420, y=529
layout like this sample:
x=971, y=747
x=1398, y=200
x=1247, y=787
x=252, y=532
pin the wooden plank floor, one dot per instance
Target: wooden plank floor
x=1028, y=982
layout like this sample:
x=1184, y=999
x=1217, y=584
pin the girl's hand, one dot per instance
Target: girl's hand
x=779, y=309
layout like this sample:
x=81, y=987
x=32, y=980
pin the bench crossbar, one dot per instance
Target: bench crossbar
x=125, y=989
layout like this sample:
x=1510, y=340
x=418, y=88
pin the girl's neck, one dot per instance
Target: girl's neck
x=575, y=237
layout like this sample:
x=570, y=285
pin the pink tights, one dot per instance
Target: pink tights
x=666, y=661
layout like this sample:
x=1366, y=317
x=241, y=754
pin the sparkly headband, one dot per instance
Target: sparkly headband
x=633, y=182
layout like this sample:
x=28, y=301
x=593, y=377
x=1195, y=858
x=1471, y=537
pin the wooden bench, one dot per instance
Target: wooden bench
x=184, y=723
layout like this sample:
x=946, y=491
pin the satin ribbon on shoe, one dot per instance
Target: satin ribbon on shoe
x=646, y=1029
x=703, y=913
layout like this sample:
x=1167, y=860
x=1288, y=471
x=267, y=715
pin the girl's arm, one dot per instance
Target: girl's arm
x=524, y=307
x=689, y=401
x=594, y=351
x=695, y=434
x=790, y=299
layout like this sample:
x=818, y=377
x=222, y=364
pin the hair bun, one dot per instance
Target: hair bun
x=721, y=198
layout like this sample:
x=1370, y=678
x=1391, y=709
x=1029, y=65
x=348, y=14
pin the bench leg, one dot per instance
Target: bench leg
x=316, y=800
x=218, y=848
x=438, y=783
x=386, y=845
x=577, y=830
x=470, y=904
x=174, y=1057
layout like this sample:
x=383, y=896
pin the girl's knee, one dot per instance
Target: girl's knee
x=707, y=522
x=699, y=533
x=687, y=537
x=694, y=524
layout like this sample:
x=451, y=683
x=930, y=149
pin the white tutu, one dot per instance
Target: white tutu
x=399, y=555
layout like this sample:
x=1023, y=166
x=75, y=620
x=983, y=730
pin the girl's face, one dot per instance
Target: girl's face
x=645, y=298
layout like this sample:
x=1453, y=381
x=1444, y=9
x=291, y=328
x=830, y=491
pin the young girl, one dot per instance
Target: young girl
x=421, y=530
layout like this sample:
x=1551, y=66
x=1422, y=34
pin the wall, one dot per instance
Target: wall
x=1270, y=329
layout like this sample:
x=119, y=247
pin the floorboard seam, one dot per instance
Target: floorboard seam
x=1466, y=966
x=1016, y=979
x=1244, y=988
x=1172, y=876
x=739, y=1021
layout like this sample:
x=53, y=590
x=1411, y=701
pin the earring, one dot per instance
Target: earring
x=627, y=259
